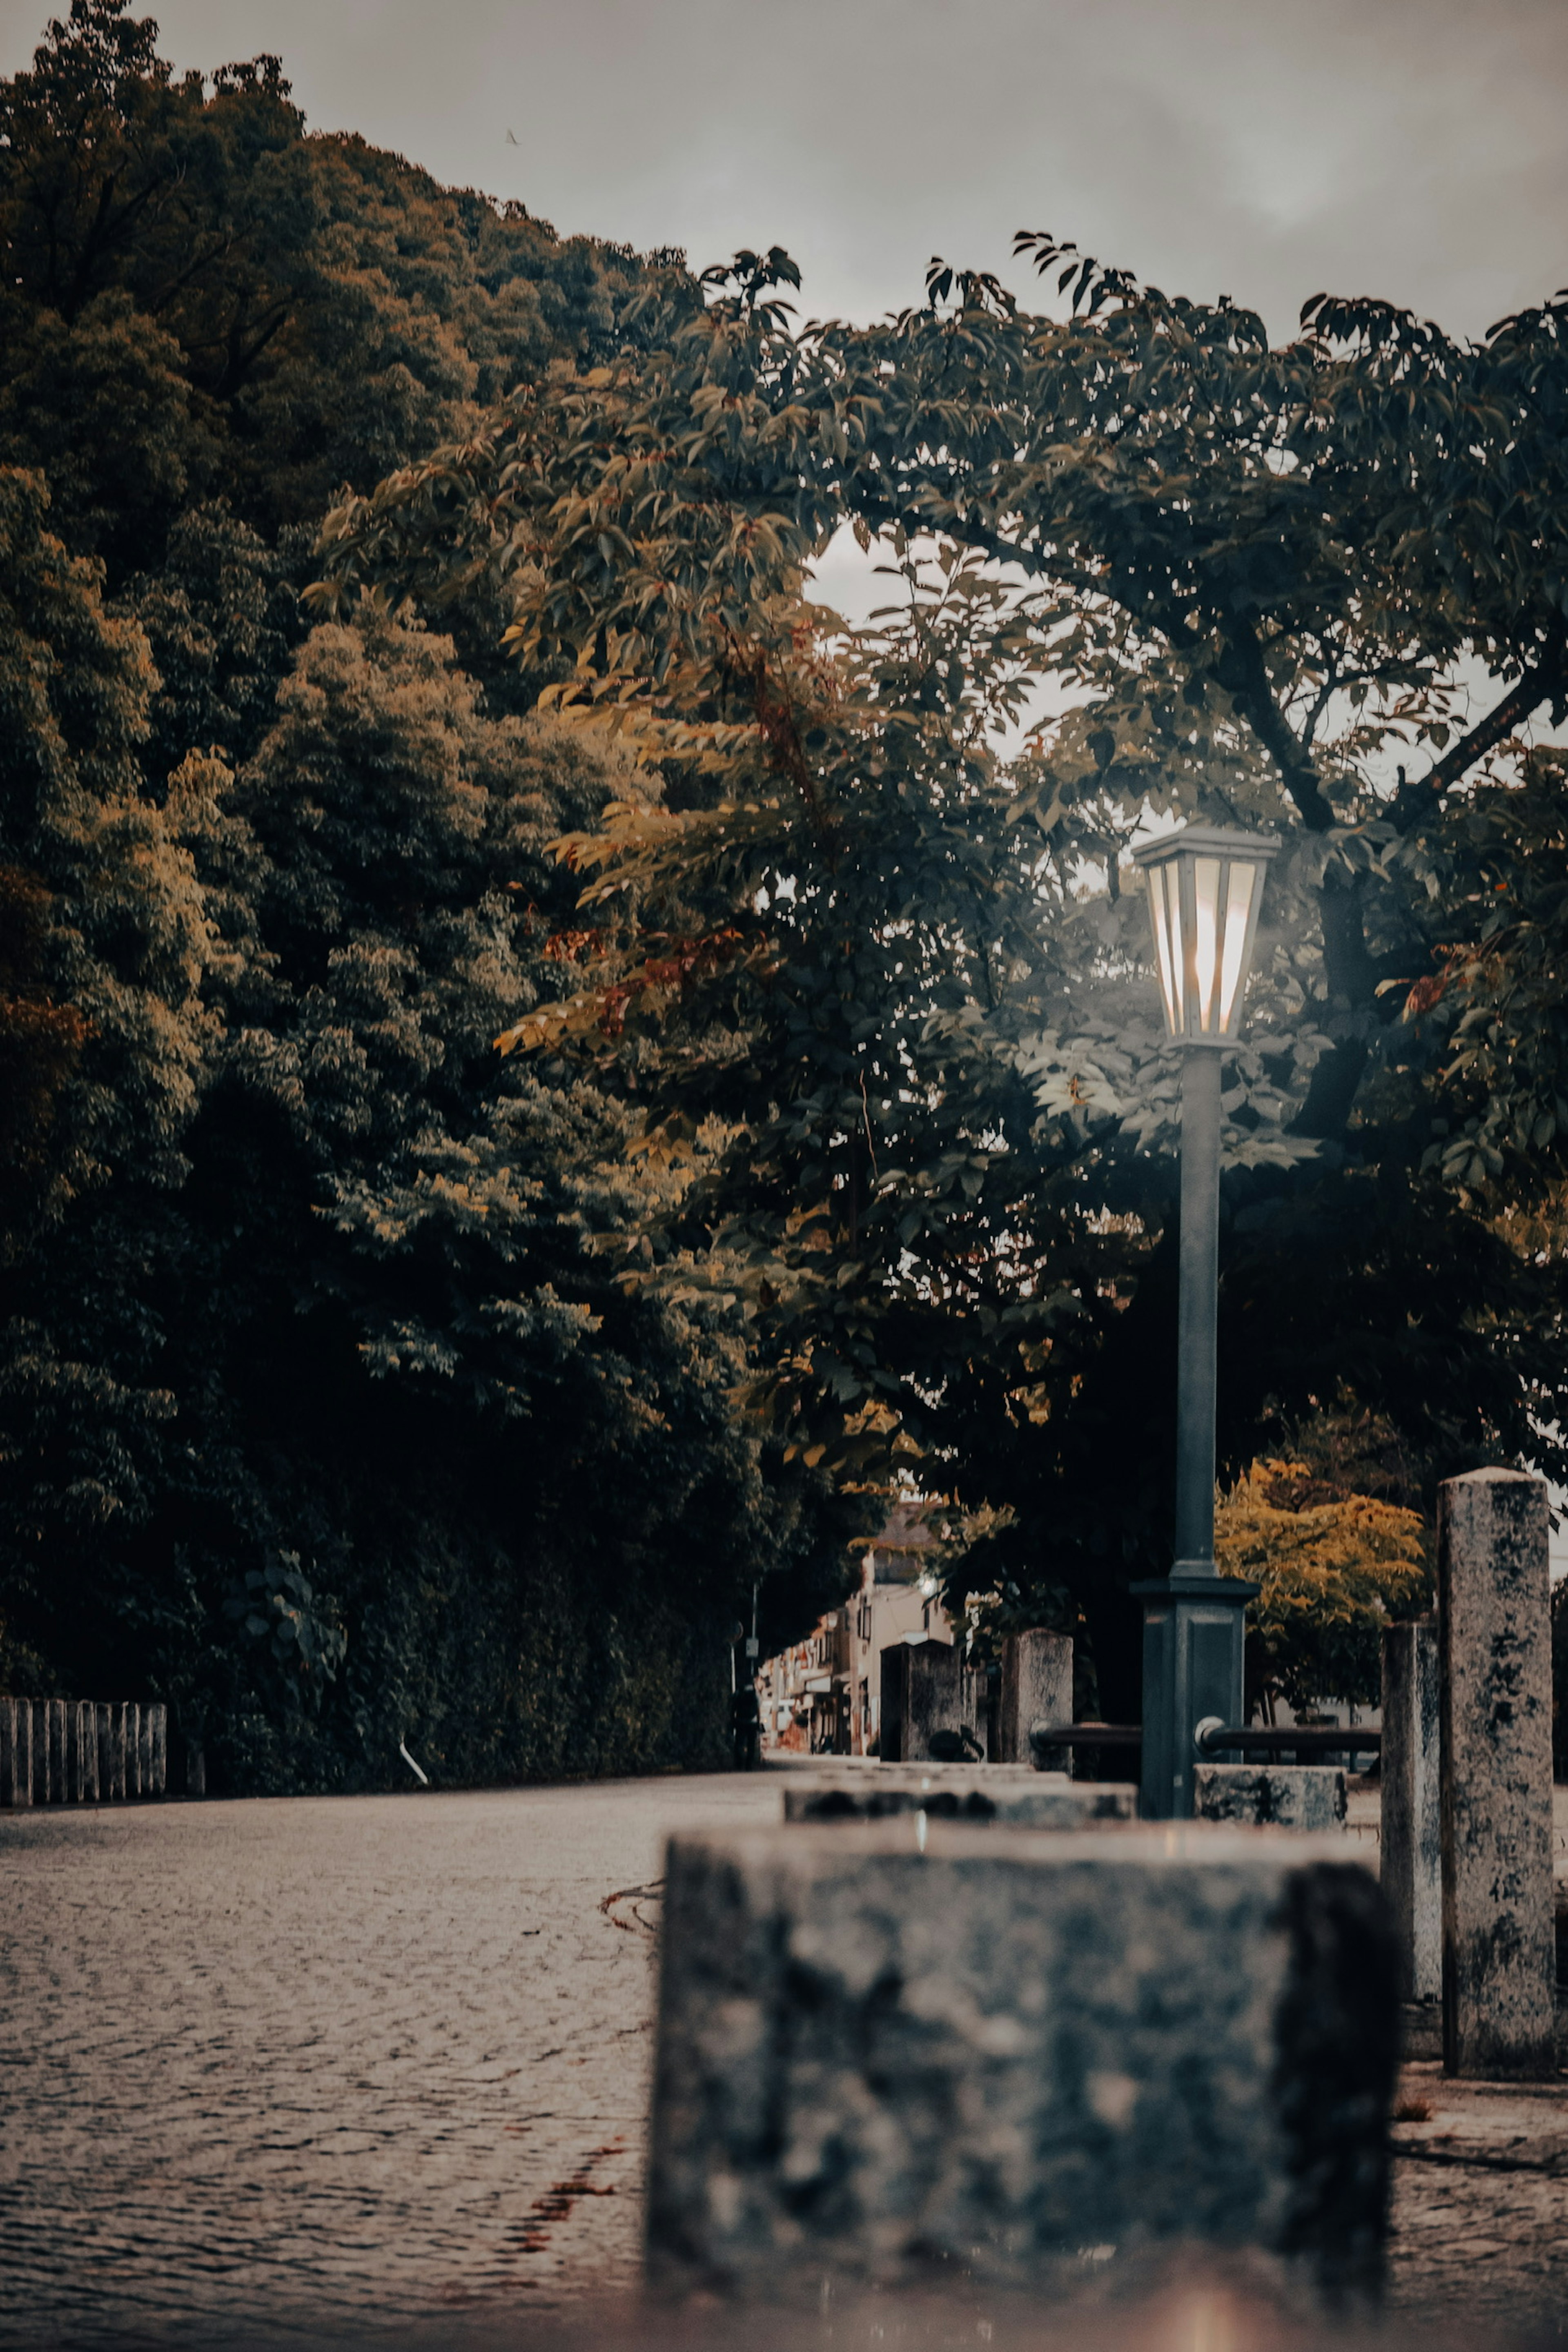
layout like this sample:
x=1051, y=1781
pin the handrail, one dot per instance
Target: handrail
x=1214, y=1737
x=1086, y=1734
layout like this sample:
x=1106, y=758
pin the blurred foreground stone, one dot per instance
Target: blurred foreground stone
x=906, y=2051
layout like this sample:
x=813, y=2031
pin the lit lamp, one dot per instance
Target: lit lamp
x=1205, y=884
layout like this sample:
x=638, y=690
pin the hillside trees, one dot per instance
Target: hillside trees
x=895, y=959
x=322, y=1415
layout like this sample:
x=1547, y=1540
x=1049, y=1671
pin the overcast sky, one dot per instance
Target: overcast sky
x=1414, y=149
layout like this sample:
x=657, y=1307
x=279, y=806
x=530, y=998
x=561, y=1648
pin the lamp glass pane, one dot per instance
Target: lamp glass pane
x=1206, y=873
x=1242, y=883
x=1173, y=880
x=1163, y=956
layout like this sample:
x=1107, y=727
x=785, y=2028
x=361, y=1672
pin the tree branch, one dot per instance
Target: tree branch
x=1547, y=680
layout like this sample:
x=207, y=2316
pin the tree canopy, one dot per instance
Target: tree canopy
x=864, y=926
x=321, y=1412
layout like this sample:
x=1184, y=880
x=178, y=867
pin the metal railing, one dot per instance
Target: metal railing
x=1213, y=1739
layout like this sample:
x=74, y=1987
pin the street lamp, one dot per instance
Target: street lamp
x=1205, y=884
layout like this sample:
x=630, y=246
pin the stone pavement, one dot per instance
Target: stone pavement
x=328, y=2061
x=326, y=2065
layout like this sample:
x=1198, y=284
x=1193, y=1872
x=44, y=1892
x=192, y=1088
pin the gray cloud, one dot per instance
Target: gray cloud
x=1261, y=148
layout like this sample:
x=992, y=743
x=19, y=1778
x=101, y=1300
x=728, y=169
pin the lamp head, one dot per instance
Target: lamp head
x=1205, y=884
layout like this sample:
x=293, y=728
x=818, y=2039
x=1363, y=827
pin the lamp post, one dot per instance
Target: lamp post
x=1205, y=884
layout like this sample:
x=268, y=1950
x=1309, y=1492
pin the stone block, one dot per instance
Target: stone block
x=1409, y=1781
x=1494, y=1621
x=1015, y=1795
x=1036, y=1687
x=16, y=1751
x=916, y=2050
x=1277, y=1796
x=925, y=1689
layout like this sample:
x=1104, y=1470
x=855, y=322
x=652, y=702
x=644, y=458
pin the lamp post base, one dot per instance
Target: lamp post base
x=1193, y=1624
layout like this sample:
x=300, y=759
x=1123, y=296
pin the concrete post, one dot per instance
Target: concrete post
x=57, y=1713
x=1036, y=1687
x=144, y=1752
x=195, y=1768
x=16, y=1751
x=1409, y=1779
x=132, y=1749
x=1495, y=1646
x=40, y=1711
x=88, y=1737
x=158, y=1737
x=72, y=1791
x=102, y=1717
x=114, y=1789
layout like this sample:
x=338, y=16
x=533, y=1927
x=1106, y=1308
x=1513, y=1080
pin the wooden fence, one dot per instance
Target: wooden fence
x=68, y=1751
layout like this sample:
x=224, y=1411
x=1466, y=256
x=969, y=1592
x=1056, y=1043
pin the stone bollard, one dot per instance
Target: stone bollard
x=1283, y=1796
x=910, y=2050
x=113, y=1786
x=1494, y=1630
x=1036, y=1687
x=1411, y=1835
x=924, y=1689
x=1013, y=1794
x=16, y=1751
x=158, y=1716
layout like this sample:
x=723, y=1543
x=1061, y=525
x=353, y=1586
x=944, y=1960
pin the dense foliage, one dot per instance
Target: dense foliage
x=322, y=1411
x=864, y=926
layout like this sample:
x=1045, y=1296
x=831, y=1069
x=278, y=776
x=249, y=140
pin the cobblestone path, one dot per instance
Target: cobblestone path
x=328, y=2061
x=294, y=2069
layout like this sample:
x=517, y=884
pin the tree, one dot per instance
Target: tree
x=1334, y=1573
x=203, y=300
x=322, y=1412
x=884, y=983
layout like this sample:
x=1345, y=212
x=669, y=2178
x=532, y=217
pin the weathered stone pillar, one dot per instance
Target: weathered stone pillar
x=40, y=1751
x=115, y=1787
x=1036, y=1687
x=132, y=1749
x=158, y=1748
x=1410, y=1775
x=144, y=1752
x=924, y=1689
x=195, y=1768
x=1495, y=1645
x=88, y=1737
x=910, y=2050
x=16, y=1751
x=102, y=1717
